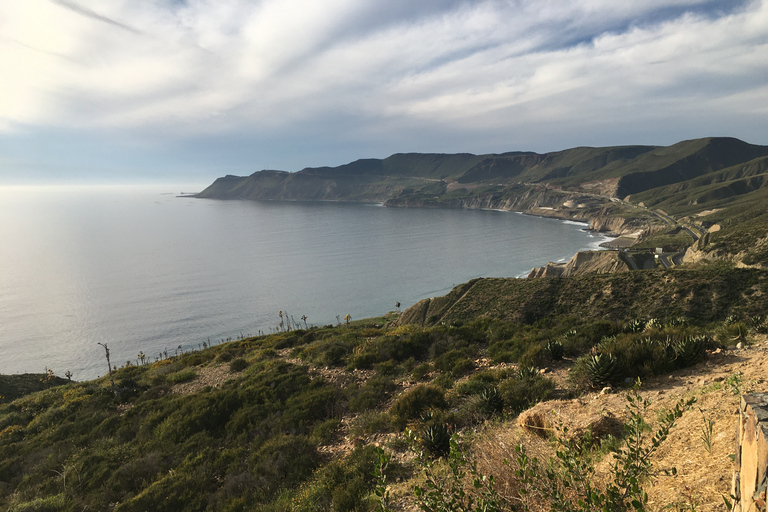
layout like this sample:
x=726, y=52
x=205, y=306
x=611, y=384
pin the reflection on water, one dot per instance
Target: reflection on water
x=143, y=270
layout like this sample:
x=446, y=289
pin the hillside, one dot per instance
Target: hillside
x=405, y=178
x=289, y=421
x=655, y=196
x=334, y=418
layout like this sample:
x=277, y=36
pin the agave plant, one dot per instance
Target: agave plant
x=653, y=323
x=690, y=350
x=436, y=439
x=490, y=401
x=678, y=321
x=602, y=369
x=634, y=326
x=555, y=349
x=527, y=372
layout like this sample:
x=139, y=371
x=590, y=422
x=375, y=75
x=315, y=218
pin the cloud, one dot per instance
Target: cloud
x=484, y=72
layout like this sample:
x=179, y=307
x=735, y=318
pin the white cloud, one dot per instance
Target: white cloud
x=225, y=66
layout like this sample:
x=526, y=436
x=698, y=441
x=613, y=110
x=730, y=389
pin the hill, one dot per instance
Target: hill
x=613, y=171
x=290, y=421
x=336, y=418
x=657, y=196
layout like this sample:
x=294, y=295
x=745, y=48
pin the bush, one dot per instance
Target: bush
x=521, y=393
x=283, y=462
x=372, y=422
x=238, y=365
x=421, y=371
x=416, y=401
x=182, y=376
x=375, y=390
x=555, y=350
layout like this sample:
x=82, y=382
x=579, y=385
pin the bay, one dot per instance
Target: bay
x=143, y=270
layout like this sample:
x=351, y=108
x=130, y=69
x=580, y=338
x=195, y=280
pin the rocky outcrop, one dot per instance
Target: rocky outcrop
x=750, y=478
x=585, y=262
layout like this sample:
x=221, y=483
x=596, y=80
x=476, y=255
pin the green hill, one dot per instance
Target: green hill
x=291, y=421
x=637, y=169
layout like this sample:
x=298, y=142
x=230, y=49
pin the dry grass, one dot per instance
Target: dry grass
x=702, y=477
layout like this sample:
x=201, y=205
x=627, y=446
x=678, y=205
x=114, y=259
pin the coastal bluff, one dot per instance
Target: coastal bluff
x=584, y=262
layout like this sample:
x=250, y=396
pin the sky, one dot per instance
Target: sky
x=184, y=91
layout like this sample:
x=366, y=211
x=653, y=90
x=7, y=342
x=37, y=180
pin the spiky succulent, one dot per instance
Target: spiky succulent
x=602, y=369
x=690, y=350
x=436, y=439
x=634, y=326
x=490, y=401
x=653, y=323
x=527, y=372
x=555, y=349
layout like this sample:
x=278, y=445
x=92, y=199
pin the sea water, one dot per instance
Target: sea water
x=143, y=270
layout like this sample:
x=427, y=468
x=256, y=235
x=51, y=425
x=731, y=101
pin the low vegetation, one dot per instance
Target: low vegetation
x=336, y=418
x=256, y=440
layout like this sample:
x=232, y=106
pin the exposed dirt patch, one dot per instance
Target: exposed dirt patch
x=214, y=376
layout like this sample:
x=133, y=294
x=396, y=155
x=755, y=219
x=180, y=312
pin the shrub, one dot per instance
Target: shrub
x=416, y=401
x=238, y=365
x=421, y=371
x=323, y=431
x=283, y=461
x=182, y=376
x=555, y=350
x=521, y=393
x=224, y=357
x=534, y=355
x=372, y=422
x=342, y=485
x=375, y=390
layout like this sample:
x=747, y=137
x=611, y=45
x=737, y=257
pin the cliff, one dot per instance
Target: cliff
x=585, y=262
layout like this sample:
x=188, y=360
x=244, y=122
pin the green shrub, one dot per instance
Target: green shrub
x=421, y=371
x=284, y=461
x=182, y=376
x=224, y=357
x=342, y=485
x=534, y=355
x=555, y=350
x=371, y=394
x=411, y=404
x=323, y=431
x=521, y=393
x=238, y=365
x=372, y=422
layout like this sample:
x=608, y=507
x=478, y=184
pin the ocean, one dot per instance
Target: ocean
x=143, y=270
